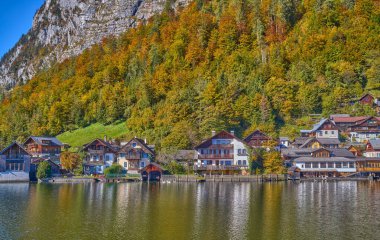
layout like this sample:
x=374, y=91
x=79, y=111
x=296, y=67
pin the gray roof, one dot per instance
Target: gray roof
x=316, y=159
x=323, y=141
x=375, y=143
x=284, y=139
x=300, y=140
x=315, y=126
x=10, y=145
x=341, y=152
x=186, y=155
x=53, y=140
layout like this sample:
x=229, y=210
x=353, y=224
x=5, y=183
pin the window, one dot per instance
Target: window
x=326, y=132
x=239, y=162
x=315, y=165
x=307, y=165
x=239, y=152
x=345, y=164
x=320, y=133
x=332, y=132
x=338, y=165
x=244, y=151
x=244, y=162
x=145, y=155
x=351, y=165
x=142, y=164
x=134, y=144
x=122, y=155
x=228, y=163
x=125, y=164
x=221, y=163
x=323, y=165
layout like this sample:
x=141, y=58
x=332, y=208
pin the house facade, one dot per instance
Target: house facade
x=15, y=158
x=222, y=153
x=258, y=139
x=100, y=154
x=47, y=147
x=365, y=130
x=372, y=148
x=368, y=165
x=135, y=155
x=325, y=128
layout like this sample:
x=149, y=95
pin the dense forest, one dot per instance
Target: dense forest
x=217, y=64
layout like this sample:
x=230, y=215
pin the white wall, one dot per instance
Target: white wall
x=327, y=134
x=239, y=145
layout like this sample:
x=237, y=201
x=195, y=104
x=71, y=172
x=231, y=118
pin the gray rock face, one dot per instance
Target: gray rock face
x=64, y=28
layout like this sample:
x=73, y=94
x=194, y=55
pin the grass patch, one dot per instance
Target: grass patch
x=82, y=136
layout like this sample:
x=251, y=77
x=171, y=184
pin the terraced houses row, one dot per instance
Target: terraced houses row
x=319, y=151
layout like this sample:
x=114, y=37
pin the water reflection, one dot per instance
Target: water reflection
x=312, y=210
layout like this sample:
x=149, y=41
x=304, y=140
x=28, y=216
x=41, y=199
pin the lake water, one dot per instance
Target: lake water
x=285, y=210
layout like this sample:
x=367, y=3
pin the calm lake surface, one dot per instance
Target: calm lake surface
x=285, y=210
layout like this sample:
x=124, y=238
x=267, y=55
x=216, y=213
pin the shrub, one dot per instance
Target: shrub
x=44, y=170
x=114, y=169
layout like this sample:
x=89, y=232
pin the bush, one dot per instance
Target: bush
x=44, y=170
x=114, y=169
x=175, y=168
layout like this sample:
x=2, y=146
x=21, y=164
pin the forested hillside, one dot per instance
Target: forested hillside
x=216, y=64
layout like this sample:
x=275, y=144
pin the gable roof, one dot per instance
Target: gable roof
x=256, y=133
x=318, y=125
x=341, y=152
x=39, y=140
x=141, y=143
x=322, y=141
x=365, y=95
x=375, y=143
x=348, y=119
x=104, y=143
x=11, y=145
x=365, y=120
x=224, y=134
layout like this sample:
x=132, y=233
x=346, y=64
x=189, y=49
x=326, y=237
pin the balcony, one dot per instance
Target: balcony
x=221, y=146
x=216, y=156
x=218, y=168
x=98, y=152
x=133, y=157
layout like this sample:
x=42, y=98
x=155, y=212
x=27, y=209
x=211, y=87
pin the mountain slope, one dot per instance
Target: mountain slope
x=214, y=65
x=62, y=29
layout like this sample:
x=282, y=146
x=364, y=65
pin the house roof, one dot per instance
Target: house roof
x=365, y=120
x=317, y=159
x=323, y=141
x=154, y=164
x=341, y=152
x=11, y=145
x=316, y=126
x=365, y=95
x=300, y=140
x=363, y=159
x=223, y=135
x=186, y=155
x=375, y=143
x=348, y=119
x=284, y=139
x=142, y=144
x=39, y=140
x=258, y=134
x=104, y=143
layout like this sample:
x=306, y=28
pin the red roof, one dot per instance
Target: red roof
x=348, y=119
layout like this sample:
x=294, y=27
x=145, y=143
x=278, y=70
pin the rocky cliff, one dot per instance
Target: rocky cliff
x=64, y=28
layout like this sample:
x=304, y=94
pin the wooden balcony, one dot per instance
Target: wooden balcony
x=97, y=152
x=216, y=156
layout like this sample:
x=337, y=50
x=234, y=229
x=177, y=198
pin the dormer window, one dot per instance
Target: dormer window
x=134, y=144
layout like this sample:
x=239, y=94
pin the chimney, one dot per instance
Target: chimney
x=213, y=133
x=105, y=138
x=145, y=140
x=232, y=132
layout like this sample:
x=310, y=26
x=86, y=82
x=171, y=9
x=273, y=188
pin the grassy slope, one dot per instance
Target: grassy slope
x=81, y=136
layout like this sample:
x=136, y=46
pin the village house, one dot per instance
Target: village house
x=222, y=153
x=15, y=158
x=323, y=162
x=368, y=165
x=135, y=155
x=325, y=128
x=259, y=139
x=372, y=148
x=364, y=130
x=343, y=122
x=284, y=142
x=100, y=154
x=45, y=147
